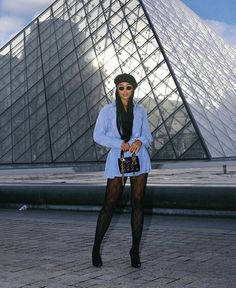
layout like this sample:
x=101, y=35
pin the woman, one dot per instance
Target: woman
x=123, y=125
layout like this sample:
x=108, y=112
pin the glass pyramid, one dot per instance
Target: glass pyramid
x=58, y=72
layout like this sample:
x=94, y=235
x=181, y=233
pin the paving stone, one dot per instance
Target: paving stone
x=52, y=249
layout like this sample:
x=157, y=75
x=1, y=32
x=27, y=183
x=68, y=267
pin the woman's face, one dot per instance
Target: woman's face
x=125, y=91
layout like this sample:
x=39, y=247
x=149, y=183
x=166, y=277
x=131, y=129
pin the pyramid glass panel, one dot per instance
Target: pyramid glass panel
x=58, y=72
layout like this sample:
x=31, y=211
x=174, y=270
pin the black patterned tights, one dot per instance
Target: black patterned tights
x=114, y=190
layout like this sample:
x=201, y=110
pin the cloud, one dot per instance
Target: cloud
x=24, y=7
x=9, y=26
x=15, y=15
x=227, y=32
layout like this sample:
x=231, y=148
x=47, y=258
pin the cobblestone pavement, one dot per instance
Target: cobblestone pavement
x=53, y=249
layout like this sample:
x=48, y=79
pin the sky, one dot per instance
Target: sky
x=219, y=14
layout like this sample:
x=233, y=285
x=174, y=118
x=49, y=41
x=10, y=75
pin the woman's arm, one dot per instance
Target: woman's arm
x=100, y=131
x=146, y=136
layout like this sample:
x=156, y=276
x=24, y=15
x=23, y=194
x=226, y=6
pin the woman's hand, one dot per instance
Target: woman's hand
x=125, y=146
x=135, y=146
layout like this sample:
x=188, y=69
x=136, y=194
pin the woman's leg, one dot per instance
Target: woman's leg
x=114, y=190
x=138, y=187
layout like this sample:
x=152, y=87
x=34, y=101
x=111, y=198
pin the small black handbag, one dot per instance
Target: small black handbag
x=128, y=164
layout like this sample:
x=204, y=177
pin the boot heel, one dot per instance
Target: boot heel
x=135, y=260
x=96, y=258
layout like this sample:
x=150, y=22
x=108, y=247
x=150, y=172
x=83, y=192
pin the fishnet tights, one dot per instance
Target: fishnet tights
x=138, y=187
x=113, y=192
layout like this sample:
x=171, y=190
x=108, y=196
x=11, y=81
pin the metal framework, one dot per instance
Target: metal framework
x=58, y=72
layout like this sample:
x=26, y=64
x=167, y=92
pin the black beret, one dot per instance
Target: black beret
x=126, y=78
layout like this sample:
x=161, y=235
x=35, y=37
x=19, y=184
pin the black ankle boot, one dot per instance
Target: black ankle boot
x=135, y=260
x=96, y=257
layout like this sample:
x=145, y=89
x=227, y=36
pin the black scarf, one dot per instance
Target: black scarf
x=124, y=120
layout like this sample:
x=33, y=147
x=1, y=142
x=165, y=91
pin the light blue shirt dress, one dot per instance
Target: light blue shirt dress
x=106, y=134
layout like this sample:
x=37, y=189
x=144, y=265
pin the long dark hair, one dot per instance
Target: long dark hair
x=124, y=120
